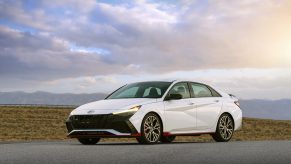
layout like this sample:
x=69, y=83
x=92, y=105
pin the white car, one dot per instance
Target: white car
x=157, y=111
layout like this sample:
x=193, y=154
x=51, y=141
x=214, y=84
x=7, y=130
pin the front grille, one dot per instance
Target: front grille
x=90, y=121
x=119, y=123
x=69, y=126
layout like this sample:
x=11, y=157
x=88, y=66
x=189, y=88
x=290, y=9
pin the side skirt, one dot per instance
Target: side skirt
x=185, y=134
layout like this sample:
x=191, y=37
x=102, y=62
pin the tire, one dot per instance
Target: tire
x=167, y=139
x=89, y=141
x=151, y=129
x=224, y=128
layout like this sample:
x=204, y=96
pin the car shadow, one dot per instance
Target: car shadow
x=137, y=144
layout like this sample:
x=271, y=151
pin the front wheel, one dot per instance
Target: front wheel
x=224, y=129
x=151, y=129
x=89, y=141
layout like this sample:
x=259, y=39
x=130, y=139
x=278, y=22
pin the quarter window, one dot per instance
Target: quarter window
x=200, y=90
x=182, y=89
x=214, y=92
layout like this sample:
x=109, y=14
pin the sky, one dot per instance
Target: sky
x=75, y=46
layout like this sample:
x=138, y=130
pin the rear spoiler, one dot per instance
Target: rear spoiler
x=233, y=97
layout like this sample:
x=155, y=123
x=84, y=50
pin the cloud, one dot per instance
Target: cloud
x=224, y=35
x=42, y=57
x=51, y=40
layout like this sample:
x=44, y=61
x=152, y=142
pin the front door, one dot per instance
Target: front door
x=180, y=115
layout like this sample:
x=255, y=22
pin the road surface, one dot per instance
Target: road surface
x=177, y=152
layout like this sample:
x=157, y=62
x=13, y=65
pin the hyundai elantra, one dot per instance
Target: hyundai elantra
x=157, y=111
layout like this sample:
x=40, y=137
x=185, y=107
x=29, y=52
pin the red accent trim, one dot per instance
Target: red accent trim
x=166, y=134
x=136, y=135
x=184, y=134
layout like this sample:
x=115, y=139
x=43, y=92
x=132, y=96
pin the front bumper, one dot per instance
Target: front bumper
x=105, y=125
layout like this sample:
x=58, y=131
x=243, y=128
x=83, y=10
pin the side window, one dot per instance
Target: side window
x=129, y=93
x=181, y=88
x=200, y=90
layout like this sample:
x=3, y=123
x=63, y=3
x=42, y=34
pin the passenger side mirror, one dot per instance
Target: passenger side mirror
x=174, y=96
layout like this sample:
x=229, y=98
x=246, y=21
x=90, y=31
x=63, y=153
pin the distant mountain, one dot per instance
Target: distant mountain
x=48, y=98
x=270, y=109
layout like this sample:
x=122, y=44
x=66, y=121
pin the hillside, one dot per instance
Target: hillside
x=46, y=123
x=48, y=98
x=271, y=109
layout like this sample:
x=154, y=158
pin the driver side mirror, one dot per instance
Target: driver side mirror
x=174, y=96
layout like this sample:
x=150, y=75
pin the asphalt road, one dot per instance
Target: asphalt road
x=185, y=152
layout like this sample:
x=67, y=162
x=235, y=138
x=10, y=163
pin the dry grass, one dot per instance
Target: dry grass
x=31, y=123
x=45, y=123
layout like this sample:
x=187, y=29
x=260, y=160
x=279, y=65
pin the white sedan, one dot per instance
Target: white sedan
x=157, y=111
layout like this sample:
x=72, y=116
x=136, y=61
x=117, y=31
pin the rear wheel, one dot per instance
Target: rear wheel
x=151, y=129
x=89, y=141
x=224, y=129
x=167, y=139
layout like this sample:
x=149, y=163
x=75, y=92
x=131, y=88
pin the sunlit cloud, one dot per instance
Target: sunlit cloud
x=240, y=46
x=100, y=51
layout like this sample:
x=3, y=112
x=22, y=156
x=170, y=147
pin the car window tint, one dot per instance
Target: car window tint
x=200, y=90
x=141, y=90
x=147, y=92
x=181, y=88
x=131, y=92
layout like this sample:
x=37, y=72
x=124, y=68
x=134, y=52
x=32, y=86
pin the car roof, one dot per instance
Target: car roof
x=175, y=81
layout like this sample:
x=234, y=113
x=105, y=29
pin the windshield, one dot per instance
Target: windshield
x=141, y=90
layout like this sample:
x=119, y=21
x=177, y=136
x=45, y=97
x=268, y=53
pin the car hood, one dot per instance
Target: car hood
x=108, y=106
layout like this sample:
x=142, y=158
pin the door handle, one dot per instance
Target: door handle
x=216, y=100
x=191, y=103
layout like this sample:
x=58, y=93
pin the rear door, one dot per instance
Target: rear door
x=180, y=115
x=207, y=103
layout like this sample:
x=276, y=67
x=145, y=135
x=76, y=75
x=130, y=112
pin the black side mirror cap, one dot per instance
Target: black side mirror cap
x=174, y=96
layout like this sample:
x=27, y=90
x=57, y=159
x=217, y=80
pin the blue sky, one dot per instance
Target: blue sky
x=242, y=47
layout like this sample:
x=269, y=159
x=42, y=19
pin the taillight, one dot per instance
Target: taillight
x=237, y=103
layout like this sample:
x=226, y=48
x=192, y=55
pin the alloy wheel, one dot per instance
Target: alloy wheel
x=151, y=129
x=226, y=127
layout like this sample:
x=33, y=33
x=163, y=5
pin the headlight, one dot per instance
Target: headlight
x=133, y=110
